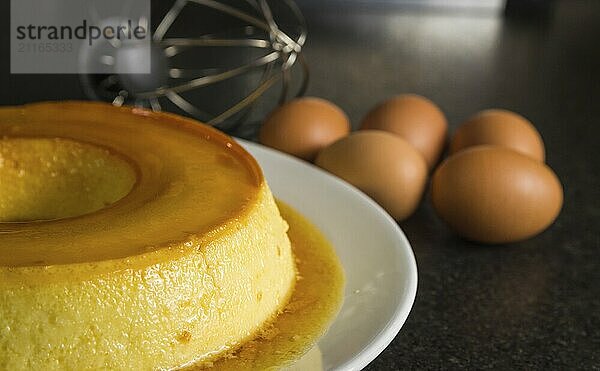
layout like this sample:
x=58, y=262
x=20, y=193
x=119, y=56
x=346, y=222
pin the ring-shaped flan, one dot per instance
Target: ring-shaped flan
x=184, y=259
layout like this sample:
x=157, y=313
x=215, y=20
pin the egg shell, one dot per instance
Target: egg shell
x=416, y=119
x=493, y=194
x=303, y=126
x=501, y=127
x=381, y=164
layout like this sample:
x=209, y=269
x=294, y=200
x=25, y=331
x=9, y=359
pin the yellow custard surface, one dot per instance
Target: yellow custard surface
x=175, y=253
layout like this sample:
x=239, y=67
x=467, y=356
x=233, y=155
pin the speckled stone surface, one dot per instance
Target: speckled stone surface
x=529, y=305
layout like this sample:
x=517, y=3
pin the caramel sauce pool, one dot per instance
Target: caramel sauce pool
x=316, y=300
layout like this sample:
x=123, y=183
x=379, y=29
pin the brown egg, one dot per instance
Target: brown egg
x=303, y=126
x=414, y=118
x=493, y=194
x=501, y=127
x=382, y=165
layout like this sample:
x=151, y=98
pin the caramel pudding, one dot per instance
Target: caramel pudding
x=132, y=240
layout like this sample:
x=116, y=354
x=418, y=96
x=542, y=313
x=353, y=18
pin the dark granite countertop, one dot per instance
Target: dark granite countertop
x=528, y=305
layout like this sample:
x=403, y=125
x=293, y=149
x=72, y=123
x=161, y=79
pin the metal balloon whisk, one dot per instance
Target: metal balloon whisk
x=217, y=77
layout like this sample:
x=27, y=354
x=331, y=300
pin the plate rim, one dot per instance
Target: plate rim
x=395, y=323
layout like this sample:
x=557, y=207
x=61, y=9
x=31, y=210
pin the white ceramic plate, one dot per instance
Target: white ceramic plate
x=381, y=273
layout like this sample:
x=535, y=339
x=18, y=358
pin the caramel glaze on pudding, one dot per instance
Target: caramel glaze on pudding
x=131, y=240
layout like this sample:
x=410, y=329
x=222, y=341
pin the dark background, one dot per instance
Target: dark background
x=529, y=305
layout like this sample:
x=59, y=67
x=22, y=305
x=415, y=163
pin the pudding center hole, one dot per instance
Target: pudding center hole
x=55, y=178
